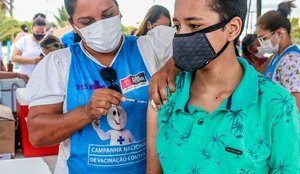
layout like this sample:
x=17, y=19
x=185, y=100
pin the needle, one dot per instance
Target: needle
x=136, y=101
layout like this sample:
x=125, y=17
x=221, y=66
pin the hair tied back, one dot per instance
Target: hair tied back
x=285, y=8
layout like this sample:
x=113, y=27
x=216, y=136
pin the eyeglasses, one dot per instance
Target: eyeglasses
x=263, y=38
x=110, y=75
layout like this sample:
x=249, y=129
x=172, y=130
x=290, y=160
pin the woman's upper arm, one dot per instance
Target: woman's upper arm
x=153, y=165
x=151, y=122
x=16, y=52
x=50, y=90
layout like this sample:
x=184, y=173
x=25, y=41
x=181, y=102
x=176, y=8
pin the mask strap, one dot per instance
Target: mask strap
x=223, y=49
x=208, y=29
x=215, y=26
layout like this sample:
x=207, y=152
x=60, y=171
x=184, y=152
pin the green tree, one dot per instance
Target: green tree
x=8, y=26
x=127, y=29
x=7, y=6
x=62, y=17
x=295, y=30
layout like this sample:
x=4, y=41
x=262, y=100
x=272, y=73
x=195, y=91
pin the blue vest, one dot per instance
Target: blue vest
x=117, y=142
x=270, y=72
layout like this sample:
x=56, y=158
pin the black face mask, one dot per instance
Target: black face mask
x=38, y=37
x=193, y=51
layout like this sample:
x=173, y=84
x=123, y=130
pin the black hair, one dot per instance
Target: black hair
x=248, y=41
x=39, y=22
x=153, y=14
x=70, y=6
x=39, y=15
x=230, y=9
x=24, y=28
x=51, y=42
x=275, y=19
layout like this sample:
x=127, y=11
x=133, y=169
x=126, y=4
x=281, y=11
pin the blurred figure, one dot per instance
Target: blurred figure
x=50, y=43
x=273, y=31
x=250, y=52
x=132, y=32
x=70, y=38
x=24, y=32
x=39, y=15
x=2, y=66
x=27, y=50
x=156, y=15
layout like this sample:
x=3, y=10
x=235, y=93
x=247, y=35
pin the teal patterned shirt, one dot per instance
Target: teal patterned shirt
x=254, y=131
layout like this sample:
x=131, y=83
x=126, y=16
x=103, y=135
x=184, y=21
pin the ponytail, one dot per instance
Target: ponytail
x=285, y=8
x=275, y=19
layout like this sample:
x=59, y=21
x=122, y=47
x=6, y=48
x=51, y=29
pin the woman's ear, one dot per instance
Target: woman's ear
x=234, y=28
x=281, y=31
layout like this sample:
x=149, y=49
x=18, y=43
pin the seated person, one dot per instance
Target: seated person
x=50, y=43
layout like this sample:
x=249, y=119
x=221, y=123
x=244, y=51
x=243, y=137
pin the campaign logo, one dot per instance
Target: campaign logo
x=132, y=82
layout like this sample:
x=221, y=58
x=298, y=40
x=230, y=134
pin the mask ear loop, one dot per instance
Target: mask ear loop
x=223, y=49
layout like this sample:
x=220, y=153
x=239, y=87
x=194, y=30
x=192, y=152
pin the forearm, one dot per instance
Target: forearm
x=8, y=75
x=23, y=60
x=153, y=164
x=51, y=129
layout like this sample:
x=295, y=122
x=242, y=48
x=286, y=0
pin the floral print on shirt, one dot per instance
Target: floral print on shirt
x=288, y=72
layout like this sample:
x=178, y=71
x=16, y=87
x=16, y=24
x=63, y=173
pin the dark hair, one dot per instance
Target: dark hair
x=153, y=14
x=275, y=19
x=24, y=28
x=51, y=42
x=39, y=22
x=39, y=15
x=248, y=41
x=230, y=9
x=70, y=6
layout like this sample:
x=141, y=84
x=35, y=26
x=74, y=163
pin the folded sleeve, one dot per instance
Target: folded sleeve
x=156, y=47
x=47, y=84
x=20, y=44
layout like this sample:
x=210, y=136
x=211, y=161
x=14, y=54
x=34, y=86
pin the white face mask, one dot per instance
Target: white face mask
x=260, y=53
x=104, y=35
x=266, y=46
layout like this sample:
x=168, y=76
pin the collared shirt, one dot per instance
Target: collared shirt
x=255, y=130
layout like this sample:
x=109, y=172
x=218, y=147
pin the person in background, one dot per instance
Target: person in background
x=70, y=38
x=273, y=31
x=2, y=66
x=156, y=15
x=24, y=32
x=252, y=54
x=27, y=49
x=9, y=75
x=39, y=15
x=49, y=44
x=92, y=96
x=132, y=32
x=224, y=116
